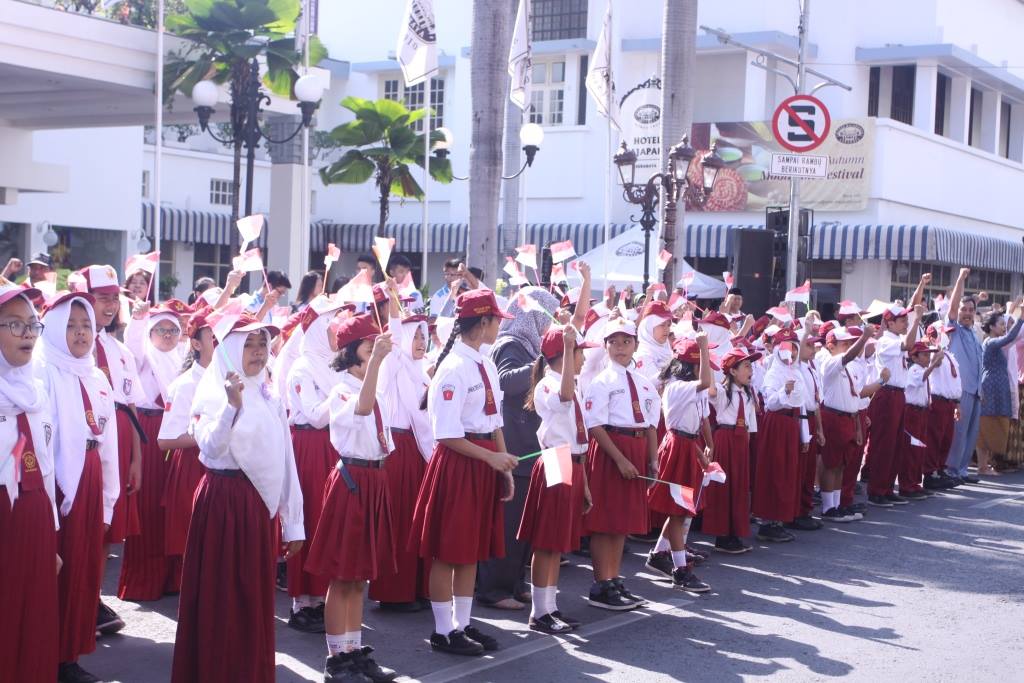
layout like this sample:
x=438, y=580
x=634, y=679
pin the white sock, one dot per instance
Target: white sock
x=316, y=600
x=538, y=607
x=463, y=606
x=444, y=622
x=678, y=558
x=300, y=602
x=336, y=644
x=829, y=500
x=552, y=601
x=353, y=640
x=662, y=544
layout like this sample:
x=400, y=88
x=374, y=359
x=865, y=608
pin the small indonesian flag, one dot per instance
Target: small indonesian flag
x=914, y=441
x=527, y=256
x=358, y=290
x=332, y=255
x=144, y=262
x=562, y=251
x=77, y=282
x=527, y=303
x=659, y=292
x=780, y=313
x=249, y=228
x=557, y=465
x=676, y=301
x=222, y=320
x=249, y=262
x=382, y=248
x=558, y=274
x=407, y=287
x=515, y=276
x=663, y=259
x=727, y=277
x=683, y=497
x=714, y=473
x=801, y=294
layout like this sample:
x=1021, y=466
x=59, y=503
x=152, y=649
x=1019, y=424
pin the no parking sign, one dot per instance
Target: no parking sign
x=801, y=123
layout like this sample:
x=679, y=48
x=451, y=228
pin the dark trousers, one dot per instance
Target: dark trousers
x=506, y=578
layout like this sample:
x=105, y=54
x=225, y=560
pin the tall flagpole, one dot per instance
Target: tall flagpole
x=426, y=185
x=159, y=148
x=305, y=210
x=607, y=196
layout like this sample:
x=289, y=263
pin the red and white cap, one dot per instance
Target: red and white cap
x=100, y=279
x=688, y=351
x=552, y=346
x=9, y=291
x=848, y=308
x=936, y=327
x=657, y=309
x=249, y=323
x=921, y=347
x=780, y=313
x=894, y=312
x=737, y=356
x=840, y=334
x=715, y=318
x=619, y=326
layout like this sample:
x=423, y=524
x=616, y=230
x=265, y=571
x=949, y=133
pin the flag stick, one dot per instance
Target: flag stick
x=376, y=314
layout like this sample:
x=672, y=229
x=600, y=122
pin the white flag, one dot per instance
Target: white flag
x=600, y=79
x=520, y=60
x=417, y=42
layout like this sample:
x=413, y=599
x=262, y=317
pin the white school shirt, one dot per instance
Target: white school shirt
x=124, y=374
x=148, y=388
x=309, y=394
x=889, y=353
x=812, y=385
x=944, y=384
x=684, y=407
x=455, y=401
x=178, y=409
x=356, y=436
x=864, y=373
x=840, y=385
x=557, y=417
x=41, y=425
x=726, y=410
x=776, y=398
x=607, y=400
x=917, y=391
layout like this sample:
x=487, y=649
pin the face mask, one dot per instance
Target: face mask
x=785, y=355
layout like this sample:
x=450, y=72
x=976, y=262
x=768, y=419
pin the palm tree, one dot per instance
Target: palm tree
x=678, y=75
x=383, y=143
x=492, y=34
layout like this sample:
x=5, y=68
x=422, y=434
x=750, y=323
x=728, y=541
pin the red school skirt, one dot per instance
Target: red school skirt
x=777, y=483
x=459, y=517
x=354, y=539
x=315, y=459
x=553, y=515
x=620, y=506
x=226, y=609
x=727, y=506
x=404, y=469
x=28, y=591
x=80, y=546
x=182, y=480
x=125, y=521
x=146, y=571
x=678, y=462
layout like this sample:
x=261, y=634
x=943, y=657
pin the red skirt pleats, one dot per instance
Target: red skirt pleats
x=125, y=521
x=727, y=506
x=778, y=463
x=553, y=515
x=620, y=506
x=182, y=480
x=677, y=463
x=315, y=459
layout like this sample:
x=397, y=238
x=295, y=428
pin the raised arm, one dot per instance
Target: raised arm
x=958, y=293
x=579, y=316
x=926, y=280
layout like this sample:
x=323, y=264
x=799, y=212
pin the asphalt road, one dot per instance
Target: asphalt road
x=932, y=591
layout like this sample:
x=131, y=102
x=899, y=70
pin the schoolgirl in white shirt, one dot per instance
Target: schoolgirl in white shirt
x=924, y=360
x=947, y=388
x=654, y=350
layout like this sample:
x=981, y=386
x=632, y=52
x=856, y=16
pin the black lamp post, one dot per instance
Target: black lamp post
x=531, y=136
x=247, y=98
x=675, y=183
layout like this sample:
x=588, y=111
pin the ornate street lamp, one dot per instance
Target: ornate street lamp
x=530, y=136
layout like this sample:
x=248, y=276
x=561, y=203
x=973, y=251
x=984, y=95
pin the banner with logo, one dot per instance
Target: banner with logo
x=640, y=117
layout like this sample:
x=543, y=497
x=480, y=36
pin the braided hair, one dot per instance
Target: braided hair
x=461, y=326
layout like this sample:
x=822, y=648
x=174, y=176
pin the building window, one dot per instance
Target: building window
x=581, y=100
x=559, y=19
x=211, y=260
x=902, y=108
x=874, y=80
x=828, y=284
x=145, y=184
x=906, y=275
x=547, y=96
x=942, y=94
x=413, y=98
x=221, y=192
x=1005, y=111
x=974, y=122
x=168, y=278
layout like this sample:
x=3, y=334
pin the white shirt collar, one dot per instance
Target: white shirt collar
x=467, y=351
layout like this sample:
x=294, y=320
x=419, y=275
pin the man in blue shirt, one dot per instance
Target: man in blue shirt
x=964, y=346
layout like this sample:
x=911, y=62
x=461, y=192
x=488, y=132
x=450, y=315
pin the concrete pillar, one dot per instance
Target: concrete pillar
x=959, y=108
x=287, y=238
x=885, y=92
x=1016, y=131
x=926, y=77
x=991, y=110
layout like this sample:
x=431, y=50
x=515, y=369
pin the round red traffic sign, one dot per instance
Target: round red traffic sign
x=801, y=123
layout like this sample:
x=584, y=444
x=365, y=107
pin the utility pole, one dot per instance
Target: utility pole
x=793, y=253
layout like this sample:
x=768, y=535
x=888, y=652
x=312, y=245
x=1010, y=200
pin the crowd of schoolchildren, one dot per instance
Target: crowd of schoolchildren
x=361, y=442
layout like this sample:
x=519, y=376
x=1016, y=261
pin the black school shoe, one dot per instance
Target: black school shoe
x=838, y=515
x=897, y=499
x=805, y=523
x=915, y=495
x=853, y=514
x=573, y=623
x=70, y=672
x=697, y=554
x=683, y=578
x=606, y=595
x=858, y=507
x=879, y=501
x=968, y=479
x=620, y=583
x=489, y=642
x=341, y=668
x=307, y=620
x=107, y=621
x=456, y=643
x=366, y=665
x=731, y=545
x=774, y=533
x=660, y=563
x=549, y=624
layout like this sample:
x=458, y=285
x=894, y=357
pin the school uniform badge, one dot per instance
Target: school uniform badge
x=448, y=391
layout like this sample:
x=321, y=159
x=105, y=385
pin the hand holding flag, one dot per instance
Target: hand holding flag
x=249, y=262
x=332, y=255
x=801, y=294
x=713, y=473
x=142, y=262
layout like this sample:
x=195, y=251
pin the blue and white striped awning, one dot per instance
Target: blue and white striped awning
x=358, y=237
x=197, y=227
x=710, y=240
x=977, y=251
x=584, y=236
x=835, y=241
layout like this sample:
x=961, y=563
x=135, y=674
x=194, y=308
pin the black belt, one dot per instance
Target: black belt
x=396, y=430
x=308, y=428
x=579, y=457
x=91, y=444
x=954, y=401
x=231, y=474
x=149, y=412
x=626, y=431
x=134, y=420
x=685, y=435
x=788, y=412
x=489, y=436
x=886, y=387
x=916, y=407
x=725, y=426
x=362, y=462
x=839, y=412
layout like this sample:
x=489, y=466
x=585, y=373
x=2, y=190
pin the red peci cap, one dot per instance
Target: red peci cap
x=786, y=334
x=715, y=318
x=921, y=347
x=659, y=309
x=248, y=323
x=356, y=328
x=552, y=346
x=68, y=296
x=198, y=321
x=737, y=356
x=687, y=351
x=477, y=303
x=174, y=306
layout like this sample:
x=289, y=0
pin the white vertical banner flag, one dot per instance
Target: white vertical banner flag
x=417, y=42
x=520, y=59
x=600, y=76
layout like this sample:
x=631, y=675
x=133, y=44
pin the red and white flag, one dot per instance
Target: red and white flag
x=358, y=290
x=249, y=262
x=382, y=248
x=659, y=292
x=515, y=276
x=558, y=275
x=780, y=313
x=557, y=465
x=676, y=301
x=332, y=256
x=250, y=228
x=76, y=282
x=727, y=277
x=663, y=259
x=914, y=441
x=687, y=279
x=144, y=262
x=801, y=294
x=562, y=251
x=223, y=319
x=714, y=473
x=683, y=497
x=527, y=255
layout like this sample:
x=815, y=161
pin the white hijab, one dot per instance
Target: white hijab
x=64, y=375
x=165, y=365
x=314, y=350
x=649, y=348
x=259, y=437
x=286, y=356
x=405, y=380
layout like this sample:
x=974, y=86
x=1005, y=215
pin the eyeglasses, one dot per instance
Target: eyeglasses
x=166, y=331
x=18, y=328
